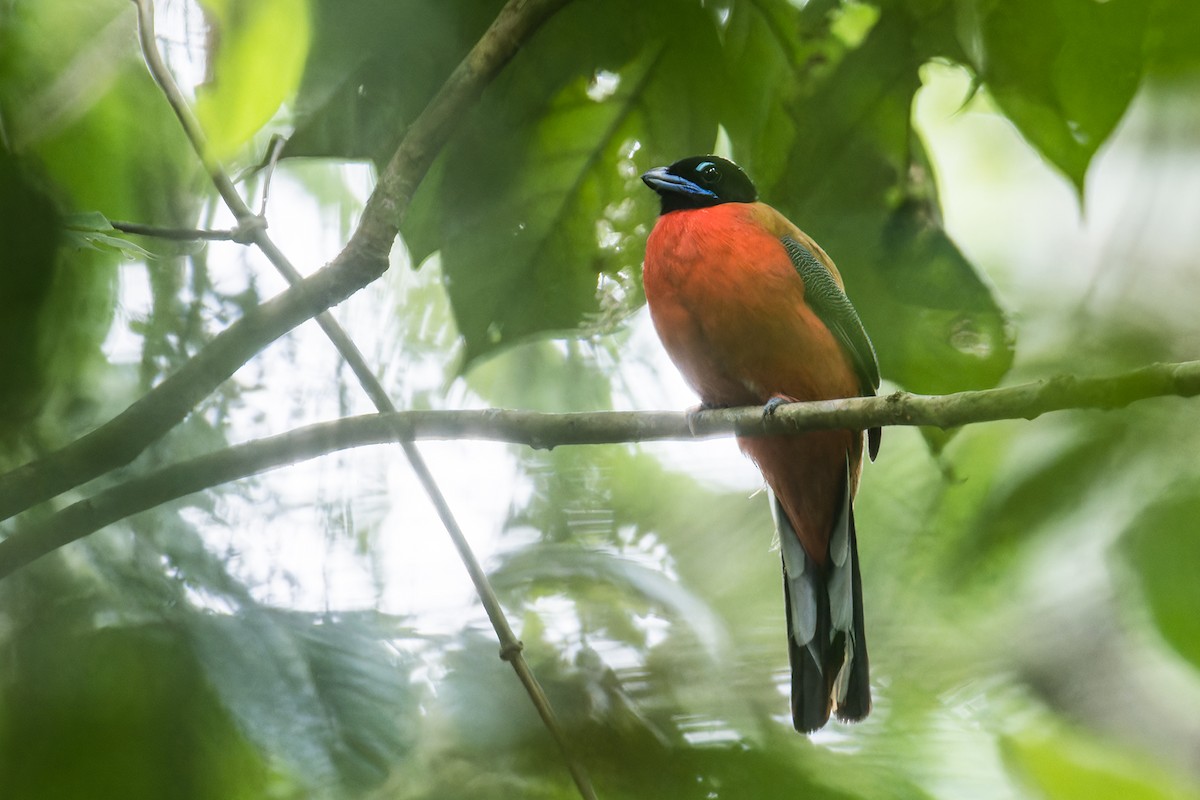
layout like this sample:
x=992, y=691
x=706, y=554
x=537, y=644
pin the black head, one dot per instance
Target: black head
x=699, y=182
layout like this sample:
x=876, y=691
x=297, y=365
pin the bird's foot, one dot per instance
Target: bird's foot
x=772, y=405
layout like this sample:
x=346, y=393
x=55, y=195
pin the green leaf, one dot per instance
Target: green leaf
x=538, y=195
x=373, y=66
x=365, y=691
x=1063, y=765
x=259, y=56
x=1171, y=40
x=104, y=135
x=1027, y=500
x=1064, y=72
x=544, y=376
x=761, y=48
x=117, y=712
x=88, y=221
x=955, y=335
x=1163, y=548
x=326, y=698
x=90, y=230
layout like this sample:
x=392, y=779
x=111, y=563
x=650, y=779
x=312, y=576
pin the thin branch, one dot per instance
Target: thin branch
x=542, y=430
x=173, y=234
x=274, y=149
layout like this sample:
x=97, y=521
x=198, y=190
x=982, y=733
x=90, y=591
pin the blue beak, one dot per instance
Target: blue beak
x=664, y=182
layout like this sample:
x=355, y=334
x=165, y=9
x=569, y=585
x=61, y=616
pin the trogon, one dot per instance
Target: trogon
x=752, y=311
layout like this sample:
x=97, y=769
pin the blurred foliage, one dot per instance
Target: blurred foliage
x=30, y=229
x=84, y=130
x=119, y=685
x=1062, y=763
x=1163, y=549
x=1030, y=587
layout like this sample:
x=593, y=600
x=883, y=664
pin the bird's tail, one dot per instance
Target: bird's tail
x=827, y=644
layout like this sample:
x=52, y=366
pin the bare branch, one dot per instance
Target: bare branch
x=173, y=234
x=542, y=430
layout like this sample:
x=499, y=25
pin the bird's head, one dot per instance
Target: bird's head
x=699, y=182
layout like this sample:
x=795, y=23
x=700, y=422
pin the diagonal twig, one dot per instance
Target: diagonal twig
x=254, y=229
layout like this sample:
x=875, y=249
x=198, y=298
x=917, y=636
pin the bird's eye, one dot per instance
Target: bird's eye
x=708, y=172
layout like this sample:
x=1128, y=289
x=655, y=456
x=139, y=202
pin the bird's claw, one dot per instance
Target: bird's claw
x=772, y=405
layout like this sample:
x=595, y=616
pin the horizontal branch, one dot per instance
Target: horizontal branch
x=542, y=430
x=173, y=234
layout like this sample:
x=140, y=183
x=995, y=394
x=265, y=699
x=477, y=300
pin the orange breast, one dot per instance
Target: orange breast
x=729, y=307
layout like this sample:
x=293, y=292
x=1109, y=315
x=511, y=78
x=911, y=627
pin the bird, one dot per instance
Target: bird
x=753, y=312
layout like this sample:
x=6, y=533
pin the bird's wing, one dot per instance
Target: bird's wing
x=831, y=305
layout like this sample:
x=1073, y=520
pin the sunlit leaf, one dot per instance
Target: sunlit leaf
x=93, y=229
x=76, y=94
x=255, y=65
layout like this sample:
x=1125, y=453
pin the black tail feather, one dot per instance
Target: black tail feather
x=812, y=692
x=818, y=677
x=855, y=702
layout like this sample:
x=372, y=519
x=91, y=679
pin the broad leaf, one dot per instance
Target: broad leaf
x=111, y=143
x=1171, y=41
x=1163, y=548
x=1064, y=71
x=372, y=67
x=325, y=696
x=118, y=712
x=256, y=64
x=539, y=194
